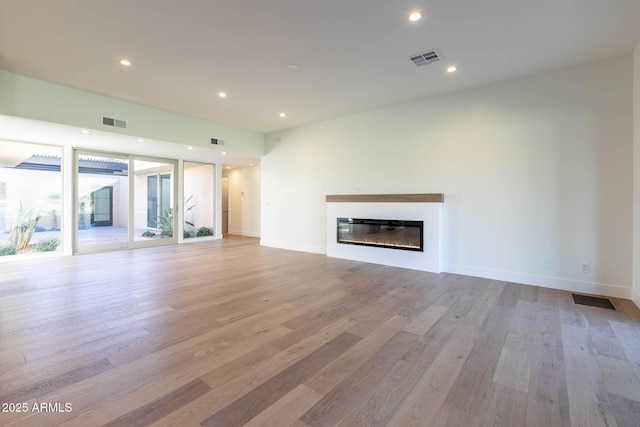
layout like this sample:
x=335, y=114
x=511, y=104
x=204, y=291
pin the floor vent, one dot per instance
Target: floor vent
x=593, y=301
x=425, y=58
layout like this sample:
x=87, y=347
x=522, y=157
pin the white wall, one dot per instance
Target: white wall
x=31, y=189
x=244, y=201
x=636, y=175
x=533, y=169
x=89, y=183
x=199, y=185
x=121, y=202
x=139, y=202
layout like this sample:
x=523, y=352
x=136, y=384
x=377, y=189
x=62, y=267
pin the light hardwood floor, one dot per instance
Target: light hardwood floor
x=229, y=333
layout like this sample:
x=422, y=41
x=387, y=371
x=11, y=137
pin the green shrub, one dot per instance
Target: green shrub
x=187, y=234
x=47, y=245
x=165, y=221
x=7, y=249
x=204, y=231
x=148, y=234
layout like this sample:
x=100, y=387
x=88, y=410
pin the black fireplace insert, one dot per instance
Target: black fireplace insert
x=382, y=233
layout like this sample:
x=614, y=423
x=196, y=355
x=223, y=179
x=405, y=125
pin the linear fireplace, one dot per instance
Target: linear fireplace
x=382, y=233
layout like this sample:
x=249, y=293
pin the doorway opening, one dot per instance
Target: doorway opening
x=225, y=205
x=102, y=200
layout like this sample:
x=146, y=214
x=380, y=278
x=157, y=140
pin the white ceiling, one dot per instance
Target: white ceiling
x=352, y=54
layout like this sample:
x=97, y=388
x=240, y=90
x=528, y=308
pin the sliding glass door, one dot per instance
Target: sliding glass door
x=102, y=201
x=118, y=200
x=154, y=201
x=123, y=201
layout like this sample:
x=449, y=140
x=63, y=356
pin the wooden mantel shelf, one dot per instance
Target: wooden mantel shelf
x=415, y=198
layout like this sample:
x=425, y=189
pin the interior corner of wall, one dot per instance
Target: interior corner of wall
x=635, y=296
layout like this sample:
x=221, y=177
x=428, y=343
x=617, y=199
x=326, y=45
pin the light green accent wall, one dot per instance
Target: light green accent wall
x=35, y=99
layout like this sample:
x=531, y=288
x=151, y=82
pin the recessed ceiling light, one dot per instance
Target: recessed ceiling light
x=189, y=148
x=452, y=69
x=415, y=16
x=283, y=114
x=125, y=62
x=250, y=164
x=224, y=152
x=222, y=94
x=85, y=131
x=140, y=140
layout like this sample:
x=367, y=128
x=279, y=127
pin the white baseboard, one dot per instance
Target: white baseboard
x=635, y=296
x=294, y=247
x=503, y=275
x=244, y=233
x=542, y=281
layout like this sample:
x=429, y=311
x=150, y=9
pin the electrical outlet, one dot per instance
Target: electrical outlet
x=585, y=268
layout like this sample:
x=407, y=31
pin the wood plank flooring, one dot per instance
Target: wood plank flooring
x=228, y=333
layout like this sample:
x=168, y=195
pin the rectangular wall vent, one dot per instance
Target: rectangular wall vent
x=425, y=58
x=216, y=141
x=108, y=121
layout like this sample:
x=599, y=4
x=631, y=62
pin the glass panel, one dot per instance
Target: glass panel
x=152, y=201
x=384, y=233
x=165, y=193
x=30, y=198
x=103, y=200
x=153, y=217
x=199, y=199
x=103, y=203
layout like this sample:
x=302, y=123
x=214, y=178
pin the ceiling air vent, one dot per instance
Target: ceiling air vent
x=425, y=58
x=108, y=121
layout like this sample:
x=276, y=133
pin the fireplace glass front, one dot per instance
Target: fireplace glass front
x=382, y=233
